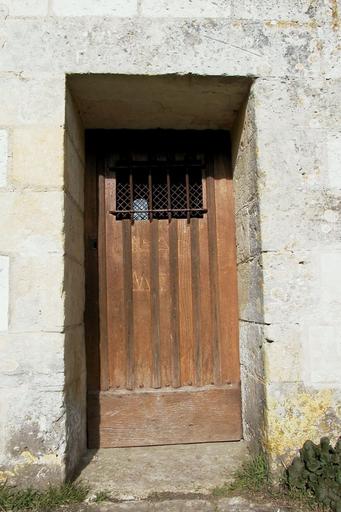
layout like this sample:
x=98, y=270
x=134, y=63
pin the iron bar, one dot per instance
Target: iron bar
x=165, y=210
x=150, y=195
x=157, y=164
x=187, y=197
x=169, y=200
x=131, y=186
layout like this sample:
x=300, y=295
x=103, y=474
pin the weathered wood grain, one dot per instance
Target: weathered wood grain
x=149, y=418
x=162, y=329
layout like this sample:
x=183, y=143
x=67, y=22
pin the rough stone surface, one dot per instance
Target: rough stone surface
x=186, y=9
x=287, y=154
x=182, y=505
x=171, y=101
x=74, y=287
x=4, y=292
x=24, y=7
x=180, y=469
x=3, y=157
x=97, y=8
x=37, y=169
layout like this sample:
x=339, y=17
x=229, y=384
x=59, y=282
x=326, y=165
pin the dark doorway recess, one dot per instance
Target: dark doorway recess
x=161, y=288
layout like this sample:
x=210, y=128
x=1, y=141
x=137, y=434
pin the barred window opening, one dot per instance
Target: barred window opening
x=159, y=191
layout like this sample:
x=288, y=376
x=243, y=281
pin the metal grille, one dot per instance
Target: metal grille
x=152, y=190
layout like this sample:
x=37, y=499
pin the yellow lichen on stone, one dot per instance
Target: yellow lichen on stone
x=298, y=418
x=283, y=24
x=29, y=457
x=50, y=458
x=335, y=15
x=5, y=475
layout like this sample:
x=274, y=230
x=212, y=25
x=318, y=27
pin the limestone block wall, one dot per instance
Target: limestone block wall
x=32, y=337
x=74, y=286
x=250, y=272
x=299, y=171
x=289, y=246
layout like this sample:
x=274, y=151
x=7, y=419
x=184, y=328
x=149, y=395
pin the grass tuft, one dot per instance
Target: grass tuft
x=253, y=480
x=102, y=496
x=252, y=477
x=13, y=499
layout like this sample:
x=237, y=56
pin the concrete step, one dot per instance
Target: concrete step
x=137, y=473
x=182, y=505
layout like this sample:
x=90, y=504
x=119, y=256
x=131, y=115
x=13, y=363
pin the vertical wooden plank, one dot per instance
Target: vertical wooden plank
x=141, y=252
x=102, y=244
x=128, y=302
x=196, y=299
x=116, y=331
x=165, y=304
x=213, y=271
x=206, y=320
x=185, y=304
x=91, y=268
x=174, y=293
x=155, y=303
x=227, y=285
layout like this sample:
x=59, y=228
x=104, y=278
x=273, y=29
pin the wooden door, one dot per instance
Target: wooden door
x=162, y=330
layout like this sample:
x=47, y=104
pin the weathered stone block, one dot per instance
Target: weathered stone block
x=252, y=381
x=253, y=406
x=35, y=99
x=37, y=291
x=90, y=8
x=74, y=231
x=74, y=172
x=25, y=7
x=16, y=367
x=292, y=103
x=33, y=451
x=75, y=363
x=332, y=57
x=322, y=356
x=4, y=292
x=203, y=46
x=39, y=232
x=286, y=11
x=3, y=157
x=330, y=300
x=75, y=397
x=74, y=289
x=251, y=341
x=296, y=413
x=284, y=357
x=290, y=287
x=37, y=157
x=245, y=176
x=74, y=126
x=248, y=232
x=187, y=8
x=334, y=159
x=250, y=280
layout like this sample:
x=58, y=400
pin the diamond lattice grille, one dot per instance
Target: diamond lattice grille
x=163, y=190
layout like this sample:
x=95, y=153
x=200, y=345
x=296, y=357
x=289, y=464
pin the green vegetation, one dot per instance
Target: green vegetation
x=252, y=477
x=317, y=471
x=102, y=496
x=14, y=499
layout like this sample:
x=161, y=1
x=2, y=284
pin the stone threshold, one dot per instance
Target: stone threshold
x=233, y=504
x=128, y=474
